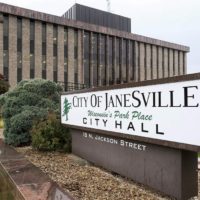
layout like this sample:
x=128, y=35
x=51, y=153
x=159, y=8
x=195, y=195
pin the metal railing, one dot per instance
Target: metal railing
x=69, y=86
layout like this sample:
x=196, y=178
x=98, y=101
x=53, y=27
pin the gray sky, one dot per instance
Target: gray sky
x=171, y=20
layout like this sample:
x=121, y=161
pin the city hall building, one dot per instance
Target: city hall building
x=85, y=47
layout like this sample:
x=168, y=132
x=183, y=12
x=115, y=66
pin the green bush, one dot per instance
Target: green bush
x=50, y=135
x=30, y=101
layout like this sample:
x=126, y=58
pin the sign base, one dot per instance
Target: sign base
x=170, y=171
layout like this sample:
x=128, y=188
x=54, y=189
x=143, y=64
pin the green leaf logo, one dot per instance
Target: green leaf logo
x=67, y=107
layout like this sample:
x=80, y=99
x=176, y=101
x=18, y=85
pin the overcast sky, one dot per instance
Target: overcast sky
x=175, y=21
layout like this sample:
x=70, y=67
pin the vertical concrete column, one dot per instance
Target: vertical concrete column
x=91, y=59
x=136, y=64
x=12, y=51
x=171, y=63
x=49, y=32
x=71, y=55
x=61, y=53
x=80, y=57
x=148, y=62
x=99, y=49
x=1, y=44
x=38, y=49
x=184, y=63
x=142, y=61
x=160, y=63
x=107, y=60
x=114, y=59
x=25, y=48
x=128, y=62
x=181, y=63
x=166, y=66
x=154, y=62
x=176, y=63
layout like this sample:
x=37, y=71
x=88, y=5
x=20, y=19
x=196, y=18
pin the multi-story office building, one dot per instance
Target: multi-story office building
x=84, y=46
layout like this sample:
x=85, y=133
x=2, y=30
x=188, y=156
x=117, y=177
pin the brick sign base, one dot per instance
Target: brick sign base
x=170, y=171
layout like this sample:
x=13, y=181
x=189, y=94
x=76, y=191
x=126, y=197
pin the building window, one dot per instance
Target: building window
x=65, y=58
x=110, y=61
x=44, y=44
x=55, y=50
x=32, y=49
x=19, y=66
x=94, y=57
x=76, y=56
x=44, y=67
x=5, y=64
x=19, y=49
x=103, y=60
x=117, y=73
x=5, y=47
x=124, y=60
x=55, y=71
x=132, y=60
x=86, y=58
x=32, y=66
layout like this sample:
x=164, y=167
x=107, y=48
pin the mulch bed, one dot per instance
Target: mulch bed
x=87, y=182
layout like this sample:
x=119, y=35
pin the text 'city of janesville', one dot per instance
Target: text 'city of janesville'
x=135, y=99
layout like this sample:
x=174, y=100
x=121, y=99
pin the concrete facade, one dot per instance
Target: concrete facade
x=26, y=49
x=140, y=58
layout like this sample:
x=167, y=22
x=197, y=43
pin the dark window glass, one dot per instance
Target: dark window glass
x=5, y=42
x=103, y=60
x=44, y=73
x=76, y=56
x=19, y=45
x=124, y=60
x=110, y=61
x=65, y=64
x=5, y=25
x=32, y=30
x=131, y=61
x=95, y=71
x=5, y=64
x=86, y=58
x=32, y=66
x=43, y=32
x=55, y=50
x=117, y=74
x=32, y=46
x=5, y=47
x=65, y=36
x=75, y=44
x=19, y=28
x=55, y=70
x=44, y=39
x=65, y=51
x=44, y=48
x=55, y=34
x=65, y=80
x=19, y=60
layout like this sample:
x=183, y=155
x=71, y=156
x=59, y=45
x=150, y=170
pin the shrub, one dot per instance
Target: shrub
x=30, y=101
x=4, y=86
x=50, y=135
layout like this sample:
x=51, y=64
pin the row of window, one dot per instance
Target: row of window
x=99, y=50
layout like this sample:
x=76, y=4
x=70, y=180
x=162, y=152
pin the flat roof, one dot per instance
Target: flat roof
x=31, y=14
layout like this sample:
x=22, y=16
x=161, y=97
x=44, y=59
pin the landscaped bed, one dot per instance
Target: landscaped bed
x=85, y=181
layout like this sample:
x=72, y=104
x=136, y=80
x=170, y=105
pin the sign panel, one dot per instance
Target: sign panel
x=168, y=112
